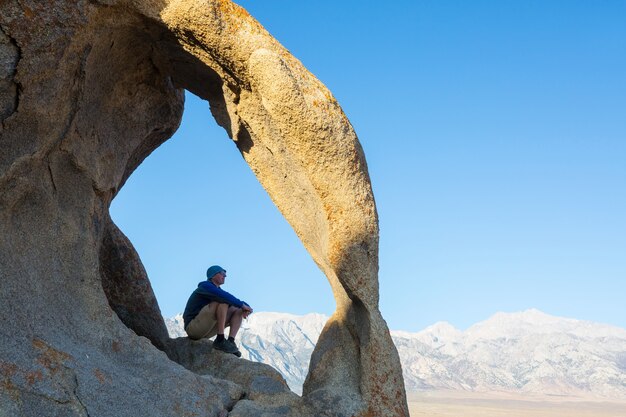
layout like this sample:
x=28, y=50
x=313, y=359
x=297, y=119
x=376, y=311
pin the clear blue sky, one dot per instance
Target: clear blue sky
x=495, y=133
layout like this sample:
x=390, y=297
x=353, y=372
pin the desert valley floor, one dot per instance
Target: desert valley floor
x=454, y=404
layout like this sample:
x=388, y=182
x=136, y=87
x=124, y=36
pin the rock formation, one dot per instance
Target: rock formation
x=88, y=89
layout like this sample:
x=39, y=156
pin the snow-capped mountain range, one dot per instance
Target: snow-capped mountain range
x=528, y=352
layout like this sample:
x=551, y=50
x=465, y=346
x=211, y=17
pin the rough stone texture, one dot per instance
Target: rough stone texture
x=87, y=90
x=127, y=287
x=266, y=392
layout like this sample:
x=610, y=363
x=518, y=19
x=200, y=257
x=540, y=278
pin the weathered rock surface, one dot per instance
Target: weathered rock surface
x=87, y=90
x=126, y=285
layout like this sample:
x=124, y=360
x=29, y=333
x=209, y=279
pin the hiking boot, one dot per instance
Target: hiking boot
x=227, y=346
x=236, y=352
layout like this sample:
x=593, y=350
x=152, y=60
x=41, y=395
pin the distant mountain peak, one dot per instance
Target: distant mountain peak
x=536, y=322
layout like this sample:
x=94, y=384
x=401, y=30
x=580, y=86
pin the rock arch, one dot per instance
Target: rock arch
x=87, y=91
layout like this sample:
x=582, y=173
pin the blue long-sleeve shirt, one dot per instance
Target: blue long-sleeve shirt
x=206, y=293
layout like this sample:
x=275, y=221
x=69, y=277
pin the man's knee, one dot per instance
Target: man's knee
x=235, y=314
x=221, y=309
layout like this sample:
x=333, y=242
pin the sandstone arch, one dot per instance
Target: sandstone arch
x=87, y=91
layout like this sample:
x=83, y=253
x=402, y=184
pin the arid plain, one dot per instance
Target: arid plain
x=467, y=404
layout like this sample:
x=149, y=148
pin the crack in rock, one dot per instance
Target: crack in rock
x=10, y=54
x=78, y=400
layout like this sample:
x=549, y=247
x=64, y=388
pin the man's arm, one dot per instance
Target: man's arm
x=215, y=293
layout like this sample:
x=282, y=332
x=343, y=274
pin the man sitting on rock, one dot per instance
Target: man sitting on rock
x=210, y=310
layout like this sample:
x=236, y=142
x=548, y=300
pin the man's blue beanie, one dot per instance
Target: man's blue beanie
x=214, y=270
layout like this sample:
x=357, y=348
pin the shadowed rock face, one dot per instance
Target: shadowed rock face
x=87, y=90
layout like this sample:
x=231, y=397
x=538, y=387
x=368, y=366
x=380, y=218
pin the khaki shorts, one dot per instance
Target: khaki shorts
x=204, y=325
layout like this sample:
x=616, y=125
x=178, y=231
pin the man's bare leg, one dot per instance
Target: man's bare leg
x=234, y=319
x=226, y=316
x=221, y=316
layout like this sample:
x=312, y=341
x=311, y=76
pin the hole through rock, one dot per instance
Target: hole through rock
x=193, y=203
